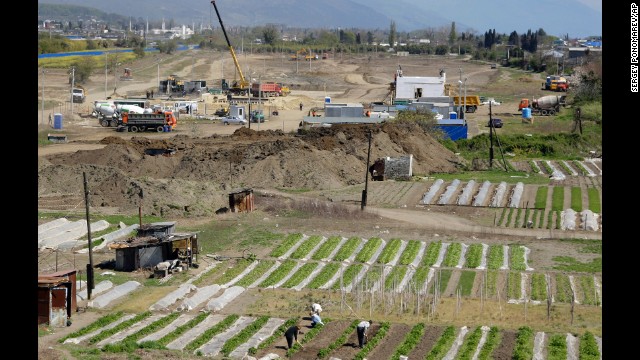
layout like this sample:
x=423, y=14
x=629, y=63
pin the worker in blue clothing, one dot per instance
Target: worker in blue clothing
x=315, y=319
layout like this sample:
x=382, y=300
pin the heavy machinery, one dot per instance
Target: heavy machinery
x=78, y=94
x=470, y=101
x=555, y=83
x=238, y=87
x=298, y=54
x=267, y=89
x=284, y=89
x=546, y=105
x=159, y=121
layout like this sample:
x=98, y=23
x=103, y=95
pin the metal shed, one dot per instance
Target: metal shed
x=56, y=298
x=147, y=252
x=241, y=201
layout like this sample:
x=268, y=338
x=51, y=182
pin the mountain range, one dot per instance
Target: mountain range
x=576, y=18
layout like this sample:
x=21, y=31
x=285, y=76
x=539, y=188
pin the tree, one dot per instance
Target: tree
x=452, y=34
x=84, y=68
x=392, y=33
x=167, y=47
x=369, y=37
x=270, y=35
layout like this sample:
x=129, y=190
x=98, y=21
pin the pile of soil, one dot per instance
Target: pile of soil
x=190, y=176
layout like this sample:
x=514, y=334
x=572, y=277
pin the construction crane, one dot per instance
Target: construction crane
x=238, y=87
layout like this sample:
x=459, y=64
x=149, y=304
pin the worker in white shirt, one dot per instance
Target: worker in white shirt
x=362, y=328
x=316, y=308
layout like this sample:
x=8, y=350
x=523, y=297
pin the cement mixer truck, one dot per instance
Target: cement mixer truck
x=546, y=105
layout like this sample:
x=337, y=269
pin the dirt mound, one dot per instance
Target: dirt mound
x=192, y=176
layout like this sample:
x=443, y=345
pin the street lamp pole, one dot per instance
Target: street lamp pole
x=105, y=73
x=42, y=115
x=73, y=80
x=465, y=96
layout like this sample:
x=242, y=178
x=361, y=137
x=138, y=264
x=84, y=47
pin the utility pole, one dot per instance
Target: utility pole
x=42, y=115
x=73, y=81
x=90, y=284
x=366, y=179
x=490, y=137
x=106, y=55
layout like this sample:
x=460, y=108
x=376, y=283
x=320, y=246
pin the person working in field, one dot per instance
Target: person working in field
x=316, y=308
x=362, y=328
x=292, y=336
x=315, y=319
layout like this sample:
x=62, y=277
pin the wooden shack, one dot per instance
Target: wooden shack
x=241, y=201
x=56, y=297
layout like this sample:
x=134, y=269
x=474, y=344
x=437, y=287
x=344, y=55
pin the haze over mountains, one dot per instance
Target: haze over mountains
x=577, y=18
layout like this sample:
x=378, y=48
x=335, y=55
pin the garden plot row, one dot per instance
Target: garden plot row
x=568, y=219
x=236, y=336
x=561, y=169
x=474, y=194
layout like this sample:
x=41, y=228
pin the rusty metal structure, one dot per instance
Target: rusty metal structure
x=56, y=297
x=241, y=200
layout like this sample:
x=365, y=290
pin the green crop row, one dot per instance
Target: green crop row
x=372, y=277
x=496, y=257
x=465, y=284
x=410, y=341
x=100, y=323
x=524, y=344
x=541, y=197
x=116, y=329
x=244, y=335
x=279, y=273
x=232, y=272
x=347, y=248
x=514, y=285
x=182, y=329
x=443, y=276
x=491, y=342
x=276, y=335
x=349, y=274
x=491, y=283
x=308, y=336
x=303, y=272
x=431, y=254
x=208, y=334
x=306, y=247
x=538, y=287
x=420, y=276
x=256, y=273
x=516, y=259
x=326, y=248
x=389, y=251
x=151, y=328
x=410, y=252
x=373, y=342
x=557, y=347
x=395, y=277
x=468, y=347
x=588, y=289
x=589, y=347
x=581, y=169
x=442, y=345
x=368, y=249
x=324, y=352
x=452, y=257
x=563, y=289
x=473, y=256
x=324, y=275
x=286, y=244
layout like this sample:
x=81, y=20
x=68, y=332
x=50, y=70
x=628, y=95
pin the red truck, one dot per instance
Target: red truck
x=268, y=89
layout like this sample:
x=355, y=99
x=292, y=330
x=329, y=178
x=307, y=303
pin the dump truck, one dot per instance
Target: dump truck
x=159, y=121
x=470, y=101
x=267, y=89
x=546, y=105
x=555, y=83
x=78, y=94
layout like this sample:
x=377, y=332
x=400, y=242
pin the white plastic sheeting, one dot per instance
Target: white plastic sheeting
x=213, y=346
x=416, y=262
x=482, y=194
x=443, y=250
x=407, y=276
x=555, y=173
x=568, y=219
x=448, y=193
x=357, y=278
x=194, y=332
x=334, y=278
x=597, y=163
x=516, y=195
x=527, y=251
x=598, y=287
x=572, y=285
x=265, y=275
x=505, y=257
x=483, y=258
x=498, y=195
x=572, y=347
x=453, y=351
x=467, y=193
x=241, y=275
x=173, y=297
x=43, y=228
x=394, y=261
x=315, y=248
x=132, y=329
x=462, y=259
x=289, y=274
x=114, y=294
x=435, y=187
x=115, y=235
x=569, y=167
x=267, y=330
x=98, y=288
x=587, y=168
x=227, y=296
x=538, y=346
x=308, y=279
x=72, y=231
x=590, y=220
x=351, y=258
x=336, y=249
x=483, y=338
x=375, y=255
x=535, y=167
x=181, y=320
x=202, y=294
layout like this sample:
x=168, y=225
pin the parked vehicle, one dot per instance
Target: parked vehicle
x=555, y=83
x=470, y=101
x=270, y=89
x=78, y=94
x=142, y=122
x=222, y=112
x=228, y=120
x=257, y=116
x=497, y=123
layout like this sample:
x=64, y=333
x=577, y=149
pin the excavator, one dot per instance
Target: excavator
x=238, y=87
x=298, y=54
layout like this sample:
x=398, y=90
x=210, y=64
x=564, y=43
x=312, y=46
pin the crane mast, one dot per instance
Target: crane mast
x=242, y=87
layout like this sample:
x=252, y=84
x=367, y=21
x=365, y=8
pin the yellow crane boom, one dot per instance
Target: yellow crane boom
x=241, y=87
